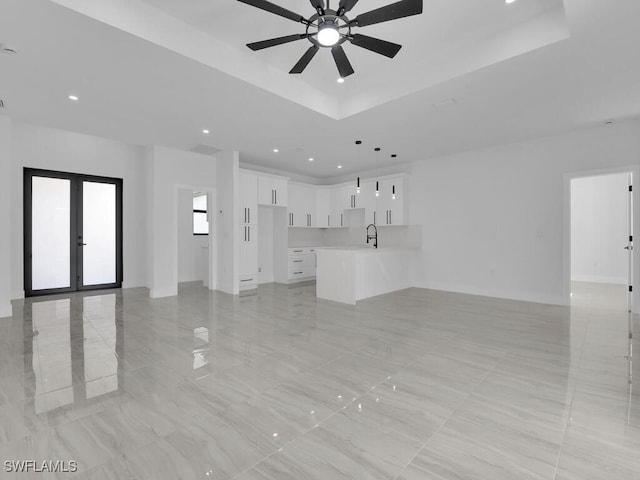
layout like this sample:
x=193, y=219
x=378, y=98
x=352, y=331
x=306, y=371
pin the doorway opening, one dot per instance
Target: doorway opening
x=602, y=241
x=72, y=232
x=194, y=235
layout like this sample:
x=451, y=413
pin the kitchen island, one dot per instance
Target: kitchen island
x=349, y=274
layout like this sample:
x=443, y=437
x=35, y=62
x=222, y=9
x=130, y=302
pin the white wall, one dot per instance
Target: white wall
x=228, y=222
x=52, y=149
x=193, y=253
x=6, y=205
x=169, y=170
x=600, y=228
x=493, y=219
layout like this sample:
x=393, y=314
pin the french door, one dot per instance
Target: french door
x=72, y=232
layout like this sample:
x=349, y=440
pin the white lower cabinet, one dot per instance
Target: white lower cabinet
x=302, y=264
x=248, y=257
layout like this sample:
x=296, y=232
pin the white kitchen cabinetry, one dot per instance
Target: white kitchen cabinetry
x=323, y=207
x=341, y=200
x=302, y=264
x=302, y=205
x=367, y=199
x=248, y=198
x=390, y=211
x=248, y=195
x=272, y=190
x=248, y=257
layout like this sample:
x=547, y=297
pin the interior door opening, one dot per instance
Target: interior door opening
x=195, y=235
x=72, y=232
x=602, y=241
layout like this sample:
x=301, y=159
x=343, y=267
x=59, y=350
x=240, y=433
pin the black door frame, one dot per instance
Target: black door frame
x=76, y=279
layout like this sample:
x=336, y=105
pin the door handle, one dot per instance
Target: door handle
x=628, y=248
x=81, y=244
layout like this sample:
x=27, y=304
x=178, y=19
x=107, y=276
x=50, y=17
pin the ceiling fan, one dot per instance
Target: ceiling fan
x=329, y=28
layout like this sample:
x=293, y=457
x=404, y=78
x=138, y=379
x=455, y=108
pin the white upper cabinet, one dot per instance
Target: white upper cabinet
x=248, y=198
x=272, y=190
x=323, y=207
x=339, y=202
x=367, y=199
x=302, y=205
x=390, y=211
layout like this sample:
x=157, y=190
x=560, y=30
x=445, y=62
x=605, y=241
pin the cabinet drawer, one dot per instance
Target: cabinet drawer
x=248, y=282
x=296, y=260
x=301, y=272
x=307, y=260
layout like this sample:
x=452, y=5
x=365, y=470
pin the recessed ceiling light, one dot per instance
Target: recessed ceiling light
x=205, y=131
x=339, y=166
x=275, y=150
x=73, y=98
x=340, y=80
x=311, y=159
x=509, y=1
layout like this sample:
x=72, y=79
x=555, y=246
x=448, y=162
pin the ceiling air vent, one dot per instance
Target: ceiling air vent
x=205, y=149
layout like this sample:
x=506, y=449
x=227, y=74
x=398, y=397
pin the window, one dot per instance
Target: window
x=200, y=222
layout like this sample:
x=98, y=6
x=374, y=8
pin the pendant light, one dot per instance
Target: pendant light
x=377, y=149
x=393, y=187
x=358, y=142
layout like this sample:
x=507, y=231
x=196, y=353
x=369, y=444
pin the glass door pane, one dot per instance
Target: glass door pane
x=50, y=233
x=98, y=233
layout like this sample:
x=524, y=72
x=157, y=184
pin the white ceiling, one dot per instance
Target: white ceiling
x=160, y=71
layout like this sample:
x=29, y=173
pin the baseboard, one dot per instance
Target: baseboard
x=600, y=279
x=485, y=292
x=6, y=311
x=18, y=295
x=163, y=292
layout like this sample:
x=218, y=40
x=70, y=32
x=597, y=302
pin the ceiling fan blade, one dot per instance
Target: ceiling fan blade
x=342, y=62
x=388, y=49
x=272, y=8
x=305, y=59
x=318, y=5
x=401, y=9
x=345, y=6
x=275, y=41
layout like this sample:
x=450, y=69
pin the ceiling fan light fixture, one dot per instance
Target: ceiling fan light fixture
x=328, y=34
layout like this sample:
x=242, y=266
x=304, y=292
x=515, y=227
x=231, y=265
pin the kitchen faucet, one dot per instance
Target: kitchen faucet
x=373, y=237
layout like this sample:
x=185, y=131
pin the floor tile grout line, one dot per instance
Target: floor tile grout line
x=312, y=428
x=466, y=398
x=573, y=393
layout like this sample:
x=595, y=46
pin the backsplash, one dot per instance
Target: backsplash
x=405, y=236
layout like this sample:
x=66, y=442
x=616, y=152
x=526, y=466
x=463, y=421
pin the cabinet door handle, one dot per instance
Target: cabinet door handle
x=297, y=261
x=248, y=234
x=248, y=215
x=275, y=192
x=374, y=217
x=342, y=219
x=389, y=217
x=328, y=220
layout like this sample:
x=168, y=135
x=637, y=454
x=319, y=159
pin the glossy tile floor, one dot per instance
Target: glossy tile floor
x=412, y=385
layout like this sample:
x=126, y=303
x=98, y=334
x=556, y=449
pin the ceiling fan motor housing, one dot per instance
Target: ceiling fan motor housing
x=331, y=22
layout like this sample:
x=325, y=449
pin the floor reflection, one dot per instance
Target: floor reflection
x=74, y=349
